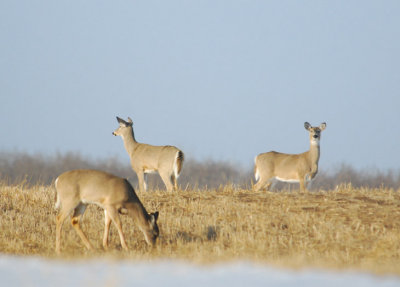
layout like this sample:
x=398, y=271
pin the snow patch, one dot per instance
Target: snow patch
x=30, y=271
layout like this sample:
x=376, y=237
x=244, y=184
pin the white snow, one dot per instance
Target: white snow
x=31, y=271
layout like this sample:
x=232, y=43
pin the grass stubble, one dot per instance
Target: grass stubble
x=344, y=229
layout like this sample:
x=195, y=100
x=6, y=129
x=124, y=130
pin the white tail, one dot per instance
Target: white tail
x=256, y=173
x=166, y=160
x=274, y=166
x=78, y=188
x=178, y=164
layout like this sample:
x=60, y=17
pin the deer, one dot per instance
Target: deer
x=166, y=160
x=76, y=189
x=271, y=167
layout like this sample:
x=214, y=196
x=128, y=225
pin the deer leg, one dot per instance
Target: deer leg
x=113, y=213
x=145, y=181
x=166, y=178
x=75, y=221
x=174, y=181
x=302, y=185
x=142, y=184
x=59, y=223
x=66, y=207
x=257, y=186
x=107, y=223
x=260, y=185
x=271, y=184
x=264, y=184
x=309, y=184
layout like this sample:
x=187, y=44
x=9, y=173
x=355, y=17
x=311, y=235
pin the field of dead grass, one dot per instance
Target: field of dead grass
x=357, y=229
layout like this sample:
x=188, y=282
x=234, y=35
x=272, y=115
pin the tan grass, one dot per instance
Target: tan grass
x=348, y=228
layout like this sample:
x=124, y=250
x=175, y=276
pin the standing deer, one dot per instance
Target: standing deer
x=273, y=166
x=166, y=160
x=78, y=188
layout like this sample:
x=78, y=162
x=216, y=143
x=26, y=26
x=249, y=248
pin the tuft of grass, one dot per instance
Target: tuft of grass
x=346, y=228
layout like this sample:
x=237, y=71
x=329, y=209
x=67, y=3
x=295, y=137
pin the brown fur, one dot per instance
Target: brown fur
x=147, y=158
x=78, y=188
x=302, y=168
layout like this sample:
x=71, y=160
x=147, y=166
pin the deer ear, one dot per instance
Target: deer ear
x=130, y=121
x=307, y=125
x=154, y=217
x=322, y=126
x=121, y=121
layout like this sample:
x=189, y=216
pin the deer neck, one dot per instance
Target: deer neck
x=129, y=141
x=314, y=155
x=137, y=211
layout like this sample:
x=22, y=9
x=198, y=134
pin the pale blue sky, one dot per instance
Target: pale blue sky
x=222, y=80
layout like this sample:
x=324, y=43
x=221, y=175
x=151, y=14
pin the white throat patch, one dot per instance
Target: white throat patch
x=315, y=142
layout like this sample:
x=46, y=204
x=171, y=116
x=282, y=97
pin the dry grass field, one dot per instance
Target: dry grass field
x=352, y=229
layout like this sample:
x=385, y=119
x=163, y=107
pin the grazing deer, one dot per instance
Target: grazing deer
x=166, y=160
x=273, y=166
x=78, y=188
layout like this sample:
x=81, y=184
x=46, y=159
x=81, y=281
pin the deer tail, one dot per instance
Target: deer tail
x=179, y=158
